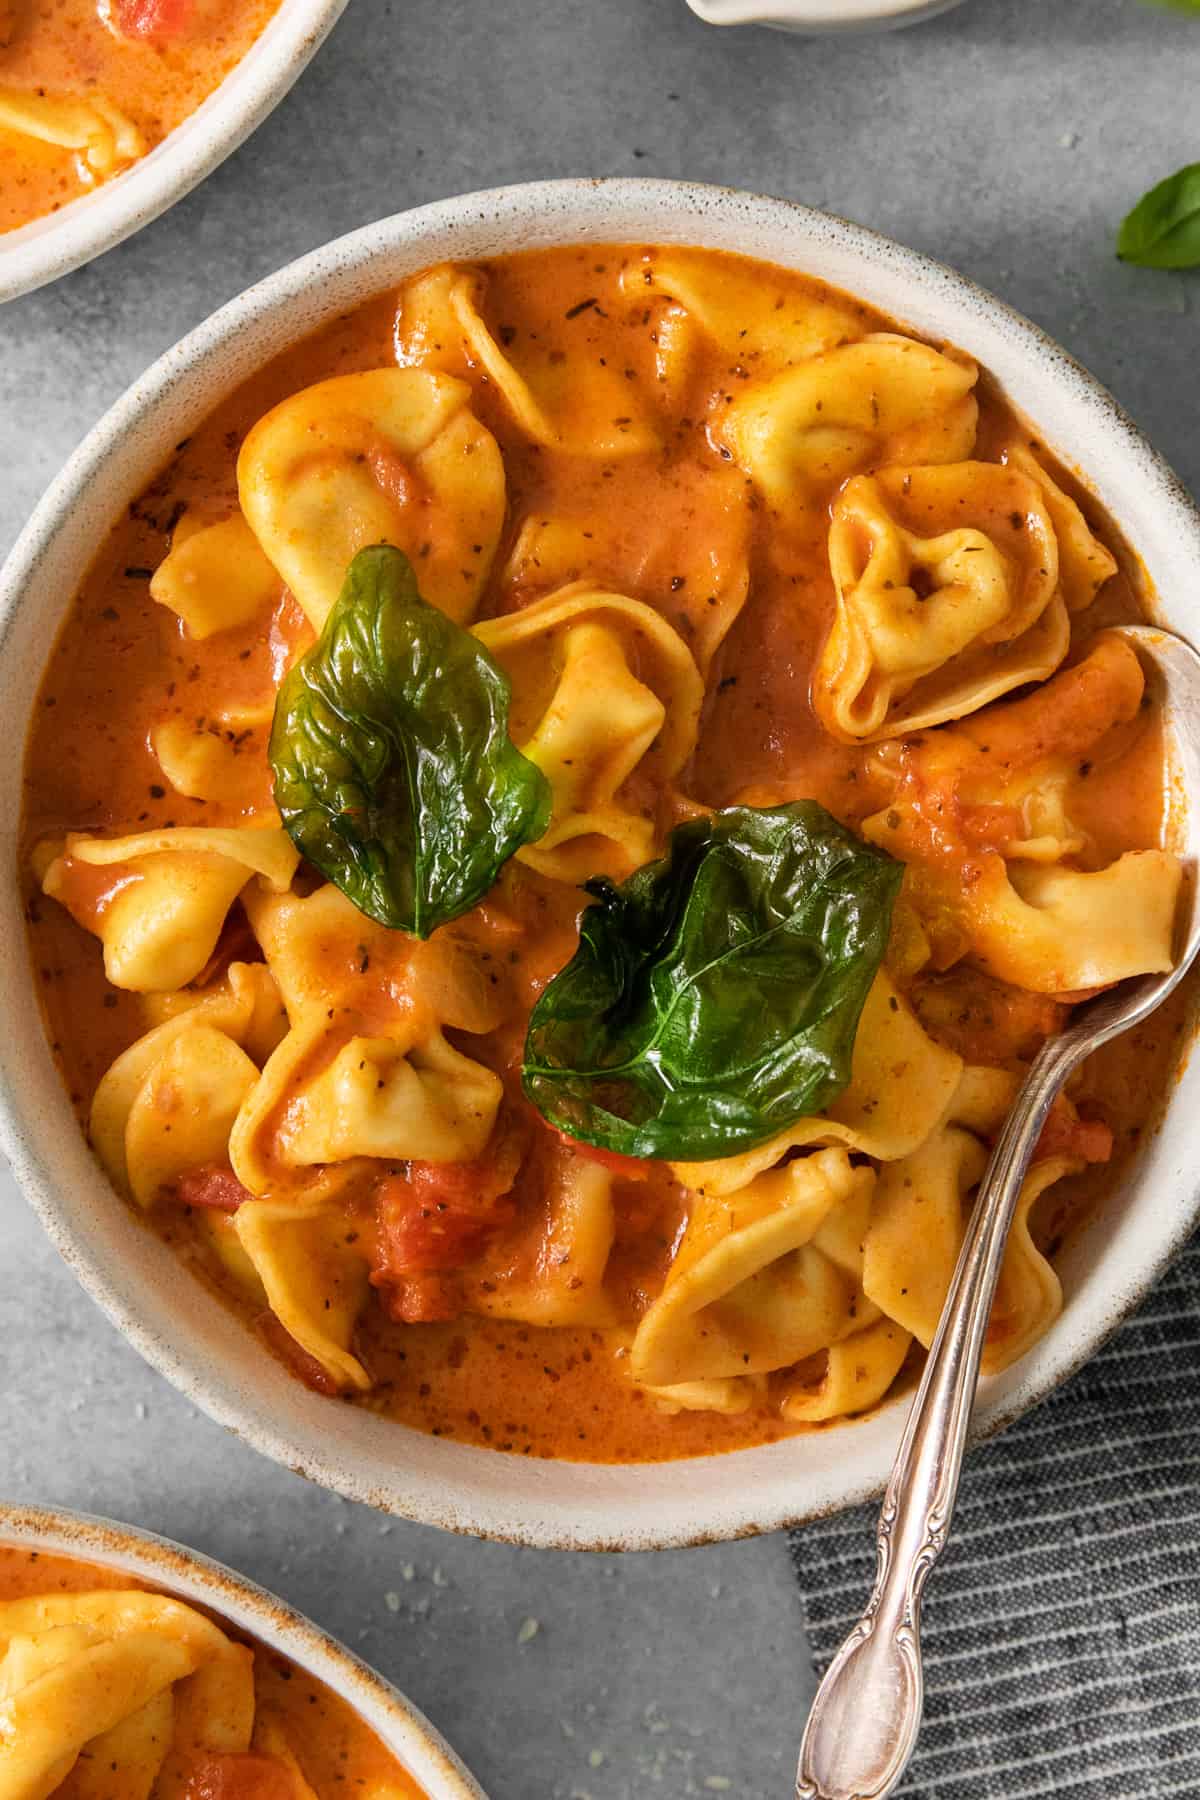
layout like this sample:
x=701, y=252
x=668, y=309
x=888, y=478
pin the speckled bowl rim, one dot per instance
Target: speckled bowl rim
x=98, y=220
x=181, y=1329
x=417, y=1745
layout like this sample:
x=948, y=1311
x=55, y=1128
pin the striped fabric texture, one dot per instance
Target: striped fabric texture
x=1062, y=1625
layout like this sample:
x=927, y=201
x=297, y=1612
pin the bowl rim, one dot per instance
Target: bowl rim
x=192, y=1576
x=102, y=217
x=597, y=1506
x=820, y=16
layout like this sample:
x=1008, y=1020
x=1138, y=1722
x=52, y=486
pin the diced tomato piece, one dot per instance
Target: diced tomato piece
x=630, y=1168
x=213, y=1185
x=436, y=1217
x=151, y=18
x=422, y=1299
x=1066, y=1134
x=425, y=1236
x=312, y=1373
x=469, y=1187
x=392, y=474
x=233, y=1776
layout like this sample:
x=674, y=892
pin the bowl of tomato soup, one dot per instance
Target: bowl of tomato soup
x=576, y=746
x=177, y=1671
x=110, y=112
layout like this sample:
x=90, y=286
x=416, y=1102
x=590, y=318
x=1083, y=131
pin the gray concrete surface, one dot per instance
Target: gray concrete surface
x=1008, y=138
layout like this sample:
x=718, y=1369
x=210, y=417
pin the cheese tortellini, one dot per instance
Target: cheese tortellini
x=313, y=1275
x=210, y=762
x=918, y=1219
x=1084, y=563
x=407, y=1093
x=821, y=1273
x=759, y=325
x=392, y=456
x=884, y=399
x=1057, y=930
x=947, y=597
x=1038, y=912
x=900, y=1085
x=758, y=1283
x=168, y=1103
x=157, y=900
x=215, y=577
x=365, y=1070
x=113, y=1691
x=104, y=138
x=441, y=325
x=605, y=695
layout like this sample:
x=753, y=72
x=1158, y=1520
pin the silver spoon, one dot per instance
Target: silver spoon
x=864, y=1721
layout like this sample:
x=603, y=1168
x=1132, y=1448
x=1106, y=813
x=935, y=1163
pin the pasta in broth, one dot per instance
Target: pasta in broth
x=113, y=1691
x=691, y=580
x=87, y=87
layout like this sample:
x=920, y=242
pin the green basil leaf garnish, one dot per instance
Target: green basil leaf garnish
x=715, y=995
x=1163, y=230
x=394, y=771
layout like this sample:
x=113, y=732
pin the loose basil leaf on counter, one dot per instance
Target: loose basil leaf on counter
x=394, y=771
x=715, y=996
x=1163, y=230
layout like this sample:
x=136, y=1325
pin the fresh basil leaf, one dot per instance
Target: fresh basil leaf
x=1163, y=230
x=715, y=996
x=394, y=771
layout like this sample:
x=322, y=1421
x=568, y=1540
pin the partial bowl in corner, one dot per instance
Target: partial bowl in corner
x=816, y=17
x=184, y=1575
x=178, y=1325
x=53, y=245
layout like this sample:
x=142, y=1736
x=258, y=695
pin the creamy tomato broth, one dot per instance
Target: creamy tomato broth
x=87, y=87
x=559, y=565
x=154, y=1696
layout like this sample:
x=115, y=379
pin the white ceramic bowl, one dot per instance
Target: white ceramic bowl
x=816, y=17
x=94, y=222
x=421, y=1750
x=176, y=1324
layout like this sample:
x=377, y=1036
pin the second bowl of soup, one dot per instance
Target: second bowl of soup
x=131, y=1666
x=110, y=110
x=572, y=782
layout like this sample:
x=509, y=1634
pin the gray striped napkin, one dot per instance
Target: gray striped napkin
x=1062, y=1626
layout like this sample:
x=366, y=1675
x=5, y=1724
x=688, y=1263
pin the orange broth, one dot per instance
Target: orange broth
x=122, y=665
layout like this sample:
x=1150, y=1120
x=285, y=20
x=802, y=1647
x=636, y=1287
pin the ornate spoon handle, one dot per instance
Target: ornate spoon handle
x=864, y=1720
